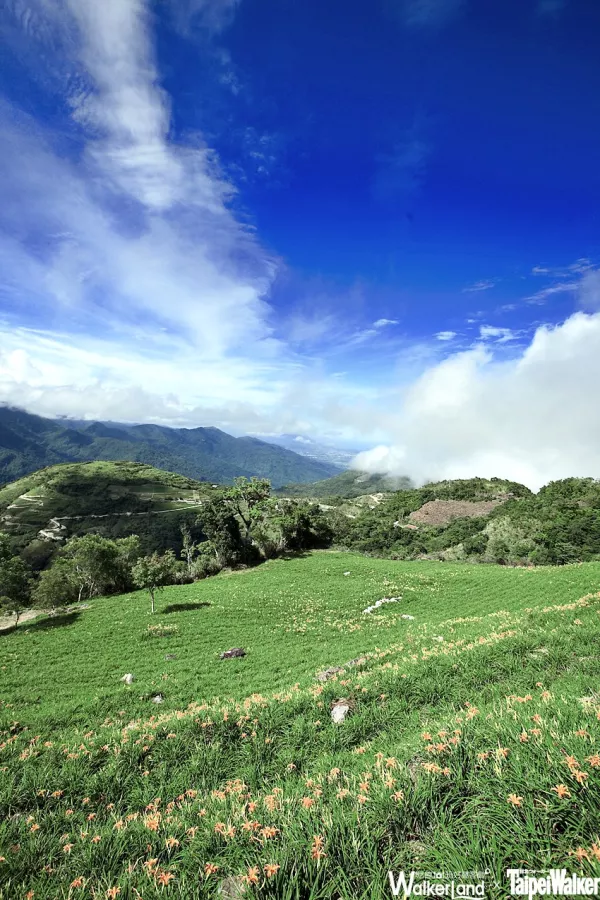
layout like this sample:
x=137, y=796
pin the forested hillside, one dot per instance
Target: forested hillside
x=29, y=442
x=481, y=520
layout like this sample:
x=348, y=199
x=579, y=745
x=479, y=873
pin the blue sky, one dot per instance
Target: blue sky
x=371, y=223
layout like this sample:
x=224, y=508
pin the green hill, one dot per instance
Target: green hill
x=111, y=498
x=471, y=744
x=29, y=442
x=347, y=485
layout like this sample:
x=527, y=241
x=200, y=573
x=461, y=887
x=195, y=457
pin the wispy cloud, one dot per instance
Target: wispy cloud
x=589, y=291
x=430, y=13
x=550, y=7
x=577, y=268
x=401, y=171
x=562, y=288
x=445, y=335
x=479, y=286
x=210, y=15
x=500, y=335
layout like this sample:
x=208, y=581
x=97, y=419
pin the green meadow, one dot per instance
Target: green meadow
x=472, y=741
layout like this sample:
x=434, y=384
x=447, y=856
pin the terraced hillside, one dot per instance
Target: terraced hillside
x=471, y=739
x=110, y=498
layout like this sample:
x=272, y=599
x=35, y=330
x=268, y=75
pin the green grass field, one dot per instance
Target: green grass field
x=473, y=743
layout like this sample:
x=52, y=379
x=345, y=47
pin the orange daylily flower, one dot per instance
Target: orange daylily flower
x=210, y=869
x=516, y=801
x=252, y=876
x=316, y=850
x=562, y=790
x=271, y=869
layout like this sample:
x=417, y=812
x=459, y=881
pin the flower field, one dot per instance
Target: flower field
x=473, y=741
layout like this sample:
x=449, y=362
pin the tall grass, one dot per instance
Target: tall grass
x=473, y=741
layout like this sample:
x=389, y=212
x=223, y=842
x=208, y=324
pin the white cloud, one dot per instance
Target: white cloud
x=502, y=335
x=533, y=418
x=445, y=335
x=383, y=323
x=479, y=286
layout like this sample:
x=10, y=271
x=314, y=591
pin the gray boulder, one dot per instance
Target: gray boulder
x=233, y=653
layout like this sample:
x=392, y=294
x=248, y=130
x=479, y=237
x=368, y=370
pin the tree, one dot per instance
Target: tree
x=101, y=565
x=15, y=581
x=245, y=496
x=189, y=550
x=57, y=586
x=128, y=553
x=152, y=573
x=222, y=529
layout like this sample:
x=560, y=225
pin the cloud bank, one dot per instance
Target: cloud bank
x=533, y=418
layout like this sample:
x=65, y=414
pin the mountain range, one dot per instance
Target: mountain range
x=29, y=442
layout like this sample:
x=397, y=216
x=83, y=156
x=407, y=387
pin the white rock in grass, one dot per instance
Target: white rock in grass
x=158, y=698
x=128, y=679
x=407, y=617
x=379, y=603
x=339, y=711
x=346, y=573
x=232, y=887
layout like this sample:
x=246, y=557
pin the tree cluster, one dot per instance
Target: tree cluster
x=241, y=526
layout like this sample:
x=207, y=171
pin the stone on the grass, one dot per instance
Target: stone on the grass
x=231, y=654
x=232, y=887
x=158, y=698
x=407, y=617
x=356, y=662
x=128, y=679
x=326, y=674
x=339, y=710
x=346, y=573
x=379, y=603
x=170, y=656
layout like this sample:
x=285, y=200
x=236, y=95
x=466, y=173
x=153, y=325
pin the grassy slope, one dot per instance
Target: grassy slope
x=507, y=633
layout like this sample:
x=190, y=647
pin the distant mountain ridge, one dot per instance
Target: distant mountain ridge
x=348, y=484
x=304, y=446
x=29, y=442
